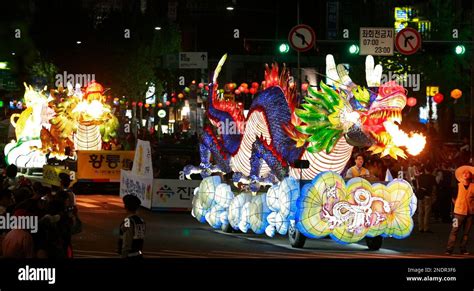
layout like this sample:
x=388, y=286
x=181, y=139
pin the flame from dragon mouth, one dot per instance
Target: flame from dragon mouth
x=382, y=126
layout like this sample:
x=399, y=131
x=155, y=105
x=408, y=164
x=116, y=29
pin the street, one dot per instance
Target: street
x=179, y=235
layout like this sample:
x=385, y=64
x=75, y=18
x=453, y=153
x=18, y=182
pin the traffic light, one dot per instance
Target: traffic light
x=460, y=49
x=283, y=48
x=354, y=49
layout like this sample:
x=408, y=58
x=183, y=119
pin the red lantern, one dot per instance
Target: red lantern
x=168, y=103
x=411, y=101
x=253, y=91
x=241, y=88
x=255, y=85
x=456, y=93
x=140, y=104
x=134, y=103
x=206, y=88
x=201, y=85
x=438, y=98
x=246, y=90
x=173, y=100
x=304, y=86
x=237, y=92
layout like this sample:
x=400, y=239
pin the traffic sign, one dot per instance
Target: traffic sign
x=302, y=37
x=376, y=41
x=408, y=41
x=193, y=60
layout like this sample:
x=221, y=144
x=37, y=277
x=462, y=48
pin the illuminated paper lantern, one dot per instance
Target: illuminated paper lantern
x=411, y=101
x=438, y=98
x=348, y=212
x=304, y=86
x=456, y=94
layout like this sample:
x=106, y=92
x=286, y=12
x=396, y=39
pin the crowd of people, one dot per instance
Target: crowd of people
x=51, y=212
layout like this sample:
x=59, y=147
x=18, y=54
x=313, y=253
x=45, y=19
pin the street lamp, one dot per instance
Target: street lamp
x=78, y=42
x=157, y=28
x=230, y=8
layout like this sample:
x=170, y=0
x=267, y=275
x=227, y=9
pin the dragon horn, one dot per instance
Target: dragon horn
x=26, y=86
x=218, y=68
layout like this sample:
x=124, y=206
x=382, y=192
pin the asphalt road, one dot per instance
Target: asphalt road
x=179, y=235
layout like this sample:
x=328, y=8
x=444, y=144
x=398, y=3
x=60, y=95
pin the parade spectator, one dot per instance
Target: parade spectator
x=412, y=174
x=357, y=170
x=463, y=209
x=425, y=194
x=53, y=232
x=18, y=243
x=374, y=170
x=6, y=201
x=444, y=178
x=11, y=181
x=132, y=230
x=65, y=181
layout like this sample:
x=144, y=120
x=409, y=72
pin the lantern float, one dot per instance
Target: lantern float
x=277, y=132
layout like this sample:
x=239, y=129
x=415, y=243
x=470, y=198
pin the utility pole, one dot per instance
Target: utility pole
x=298, y=53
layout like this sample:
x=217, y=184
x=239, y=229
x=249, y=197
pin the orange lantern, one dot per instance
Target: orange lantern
x=456, y=93
x=411, y=101
x=180, y=95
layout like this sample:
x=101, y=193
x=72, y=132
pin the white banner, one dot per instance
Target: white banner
x=142, y=164
x=140, y=186
x=170, y=193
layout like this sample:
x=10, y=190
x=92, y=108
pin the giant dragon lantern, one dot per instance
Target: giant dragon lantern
x=323, y=128
x=79, y=121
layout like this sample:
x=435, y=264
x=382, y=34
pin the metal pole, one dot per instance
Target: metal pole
x=471, y=104
x=298, y=54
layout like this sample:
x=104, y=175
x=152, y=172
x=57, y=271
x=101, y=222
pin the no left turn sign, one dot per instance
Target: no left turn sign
x=408, y=41
x=302, y=37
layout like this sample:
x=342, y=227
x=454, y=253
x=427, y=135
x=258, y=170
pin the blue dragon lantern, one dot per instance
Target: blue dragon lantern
x=323, y=127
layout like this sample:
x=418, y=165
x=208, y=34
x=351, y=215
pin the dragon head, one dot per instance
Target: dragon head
x=364, y=117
